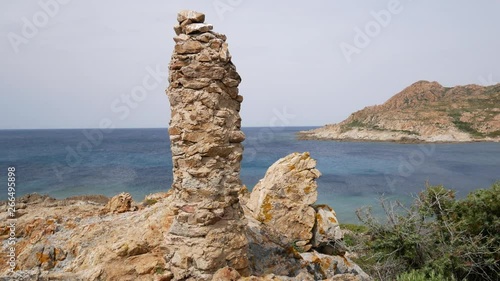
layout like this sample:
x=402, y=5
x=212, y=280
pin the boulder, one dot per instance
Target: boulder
x=282, y=200
x=119, y=203
x=197, y=28
x=192, y=16
x=327, y=235
x=326, y=267
x=226, y=274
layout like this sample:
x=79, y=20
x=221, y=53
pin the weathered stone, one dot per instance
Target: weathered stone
x=236, y=136
x=327, y=229
x=193, y=16
x=180, y=37
x=188, y=47
x=226, y=274
x=224, y=53
x=177, y=29
x=195, y=84
x=206, y=144
x=120, y=203
x=197, y=28
x=325, y=266
x=282, y=199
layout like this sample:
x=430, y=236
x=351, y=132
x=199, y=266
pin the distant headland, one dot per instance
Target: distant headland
x=423, y=112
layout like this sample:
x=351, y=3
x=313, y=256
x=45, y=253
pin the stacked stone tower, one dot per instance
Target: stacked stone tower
x=205, y=136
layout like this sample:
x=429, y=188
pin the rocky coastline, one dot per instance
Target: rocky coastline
x=98, y=238
x=425, y=112
x=208, y=226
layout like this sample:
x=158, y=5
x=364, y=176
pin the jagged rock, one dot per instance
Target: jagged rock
x=326, y=266
x=188, y=47
x=208, y=230
x=282, y=200
x=76, y=241
x=193, y=16
x=226, y=274
x=120, y=203
x=327, y=233
x=198, y=28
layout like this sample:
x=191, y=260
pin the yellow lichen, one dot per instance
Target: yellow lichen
x=265, y=215
x=42, y=258
x=308, y=189
x=332, y=219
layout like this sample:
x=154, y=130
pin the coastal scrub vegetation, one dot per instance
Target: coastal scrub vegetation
x=438, y=237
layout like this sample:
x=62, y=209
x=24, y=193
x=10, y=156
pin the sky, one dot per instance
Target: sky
x=72, y=63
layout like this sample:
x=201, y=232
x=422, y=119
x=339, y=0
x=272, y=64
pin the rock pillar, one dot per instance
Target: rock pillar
x=205, y=137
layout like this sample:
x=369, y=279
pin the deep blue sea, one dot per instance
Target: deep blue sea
x=64, y=163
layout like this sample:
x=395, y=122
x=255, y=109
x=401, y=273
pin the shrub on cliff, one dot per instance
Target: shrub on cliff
x=438, y=234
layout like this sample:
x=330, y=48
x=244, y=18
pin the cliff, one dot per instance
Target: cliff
x=423, y=112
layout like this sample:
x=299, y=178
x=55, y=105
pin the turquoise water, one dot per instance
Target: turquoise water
x=63, y=163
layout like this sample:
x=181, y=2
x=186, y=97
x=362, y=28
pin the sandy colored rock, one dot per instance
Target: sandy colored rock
x=192, y=16
x=120, y=203
x=282, y=200
x=73, y=240
x=423, y=112
x=326, y=229
x=226, y=274
x=326, y=266
x=197, y=28
x=208, y=232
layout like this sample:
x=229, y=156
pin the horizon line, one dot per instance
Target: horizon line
x=131, y=128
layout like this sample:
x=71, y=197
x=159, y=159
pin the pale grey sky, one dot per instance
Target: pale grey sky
x=67, y=63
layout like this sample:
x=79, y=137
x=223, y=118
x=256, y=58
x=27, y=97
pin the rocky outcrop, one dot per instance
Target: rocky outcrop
x=282, y=200
x=208, y=230
x=198, y=230
x=72, y=239
x=282, y=217
x=119, y=204
x=327, y=235
x=324, y=267
x=423, y=112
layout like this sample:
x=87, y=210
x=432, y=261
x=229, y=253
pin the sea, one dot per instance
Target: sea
x=69, y=162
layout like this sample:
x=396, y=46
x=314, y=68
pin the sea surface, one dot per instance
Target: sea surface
x=64, y=163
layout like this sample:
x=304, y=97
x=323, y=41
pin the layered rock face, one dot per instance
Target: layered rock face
x=208, y=230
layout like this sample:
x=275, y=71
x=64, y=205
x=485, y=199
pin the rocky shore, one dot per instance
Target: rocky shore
x=97, y=238
x=208, y=226
x=423, y=112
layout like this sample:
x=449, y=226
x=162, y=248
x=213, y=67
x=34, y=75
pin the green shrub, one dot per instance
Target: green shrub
x=418, y=275
x=437, y=234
